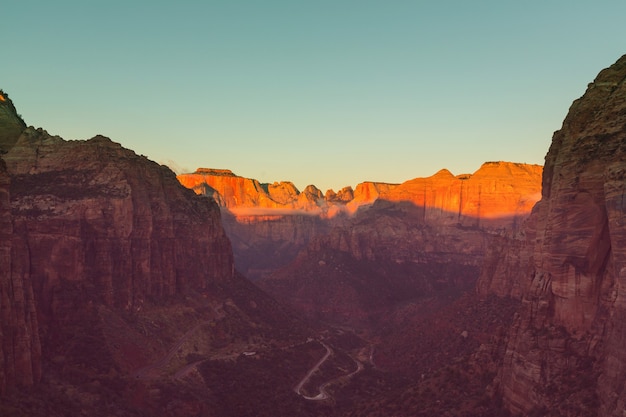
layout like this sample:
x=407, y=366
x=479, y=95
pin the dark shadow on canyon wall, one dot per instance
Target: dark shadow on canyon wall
x=265, y=243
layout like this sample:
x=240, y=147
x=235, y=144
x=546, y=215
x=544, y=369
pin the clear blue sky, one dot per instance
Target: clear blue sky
x=325, y=92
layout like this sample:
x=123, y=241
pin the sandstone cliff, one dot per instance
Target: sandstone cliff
x=270, y=223
x=118, y=293
x=87, y=224
x=20, y=348
x=247, y=197
x=497, y=194
x=423, y=238
x=112, y=217
x=566, y=351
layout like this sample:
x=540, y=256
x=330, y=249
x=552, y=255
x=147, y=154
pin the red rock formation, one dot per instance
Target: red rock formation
x=20, y=348
x=499, y=194
x=93, y=224
x=424, y=237
x=571, y=267
x=235, y=191
x=246, y=197
x=114, y=218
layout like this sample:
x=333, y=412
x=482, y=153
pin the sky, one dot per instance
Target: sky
x=331, y=93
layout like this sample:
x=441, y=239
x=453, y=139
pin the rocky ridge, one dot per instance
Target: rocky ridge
x=423, y=238
x=87, y=224
x=566, y=354
x=498, y=192
x=11, y=123
x=269, y=224
x=118, y=292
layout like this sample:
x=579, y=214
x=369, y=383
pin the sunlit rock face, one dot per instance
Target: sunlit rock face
x=270, y=223
x=423, y=238
x=570, y=267
x=245, y=197
x=235, y=191
x=90, y=223
x=499, y=194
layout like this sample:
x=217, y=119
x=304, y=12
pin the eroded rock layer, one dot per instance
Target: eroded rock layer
x=270, y=223
x=423, y=238
x=566, y=351
x=88, y=224
x=20, y=348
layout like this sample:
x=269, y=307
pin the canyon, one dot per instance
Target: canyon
x=269, y=224
x=124, y=288
x=353, y=259
x=116, y=282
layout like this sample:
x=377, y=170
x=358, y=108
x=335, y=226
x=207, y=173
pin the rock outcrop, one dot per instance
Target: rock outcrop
x=270, y=223
x=423, y=238
x=566, y=351
x=115, y=218
x=20, y=348
x=87, y=224
x=11, y=123
x=246, y=196
x=499, y=194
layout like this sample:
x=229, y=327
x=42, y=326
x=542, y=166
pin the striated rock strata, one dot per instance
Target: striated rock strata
x=270, y=223
x=499, y=194
x=423, y=238
x=20, y=348
x=93, y=224
x=566, y=352
x=116, y=219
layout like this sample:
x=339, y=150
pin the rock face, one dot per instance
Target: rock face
x=93, y=224
x=566, y=349
x=11, y=123
x=423, y=238
x=20, y=348
x=270, y=223
x=499, y=194
x=246, y=196
x=113, y=217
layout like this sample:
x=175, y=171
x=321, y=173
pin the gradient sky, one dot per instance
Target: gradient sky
x=325, y=92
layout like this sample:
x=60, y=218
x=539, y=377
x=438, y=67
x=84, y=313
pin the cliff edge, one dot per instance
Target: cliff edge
x=566, y=352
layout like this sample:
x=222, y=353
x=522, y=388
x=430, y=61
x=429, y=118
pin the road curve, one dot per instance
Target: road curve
x=322, y=395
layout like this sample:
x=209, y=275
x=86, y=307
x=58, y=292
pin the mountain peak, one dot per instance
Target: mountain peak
x=216, y=172
x=11, y=123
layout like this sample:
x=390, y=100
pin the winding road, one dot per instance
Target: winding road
x=323, y=394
